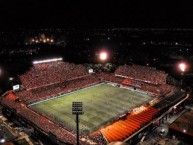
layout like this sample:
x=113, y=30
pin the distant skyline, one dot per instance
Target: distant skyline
x=97, y=14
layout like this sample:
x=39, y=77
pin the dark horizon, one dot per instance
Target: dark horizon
x=129, y=63
x=95, y=14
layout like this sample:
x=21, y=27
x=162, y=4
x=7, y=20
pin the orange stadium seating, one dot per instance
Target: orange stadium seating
x=122, y=129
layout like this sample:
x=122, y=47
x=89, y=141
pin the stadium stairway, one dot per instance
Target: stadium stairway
x=122, y=129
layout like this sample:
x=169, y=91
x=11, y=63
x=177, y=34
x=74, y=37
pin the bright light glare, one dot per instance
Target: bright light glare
x=182, y=66
x=10, y=78
x=48, y=60
x=2, y=140
x=103, y=56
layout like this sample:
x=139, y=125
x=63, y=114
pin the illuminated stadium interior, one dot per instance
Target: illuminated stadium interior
x=103, y=103
x=116, y=105
x=96, y=72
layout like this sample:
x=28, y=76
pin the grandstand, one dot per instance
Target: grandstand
x=125, y=127
x=142, y=73
x=41, y=74
x=116, y=105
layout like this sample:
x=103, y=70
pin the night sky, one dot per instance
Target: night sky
x=98, y=13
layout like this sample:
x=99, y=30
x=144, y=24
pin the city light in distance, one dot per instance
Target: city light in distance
x=40, y=40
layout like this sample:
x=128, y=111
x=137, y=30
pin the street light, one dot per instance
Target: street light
x=76, y=110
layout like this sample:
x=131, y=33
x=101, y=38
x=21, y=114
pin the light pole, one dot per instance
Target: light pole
x=76, y=110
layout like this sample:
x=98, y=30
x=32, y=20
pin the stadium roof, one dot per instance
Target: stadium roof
x=47, y=60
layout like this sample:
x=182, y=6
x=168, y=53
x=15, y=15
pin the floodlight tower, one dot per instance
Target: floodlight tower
x=76, y=110
x=182, y=67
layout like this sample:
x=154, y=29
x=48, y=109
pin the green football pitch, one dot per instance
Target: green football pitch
x=101, y=104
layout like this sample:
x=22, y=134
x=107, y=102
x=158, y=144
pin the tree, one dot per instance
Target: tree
x=172, y=81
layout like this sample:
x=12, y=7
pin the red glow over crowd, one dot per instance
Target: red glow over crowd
x=142, y=73
x=50, y=73
x=48, y=80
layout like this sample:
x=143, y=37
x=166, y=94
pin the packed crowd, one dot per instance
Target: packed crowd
x=50, y=73
x=160, y=89
x=133, y=83
x=63, y=133
x=98, y=138
x=148, y=87
x=48, y=80
x=142, y=73
x=40, y=121
x=109, y=77
x=42, y=93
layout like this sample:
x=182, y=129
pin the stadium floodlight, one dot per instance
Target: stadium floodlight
x=182, y=67
x=77, y=108
x=47, y=60
x=103, y=55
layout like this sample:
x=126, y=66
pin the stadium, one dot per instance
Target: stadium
x=120, y=106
